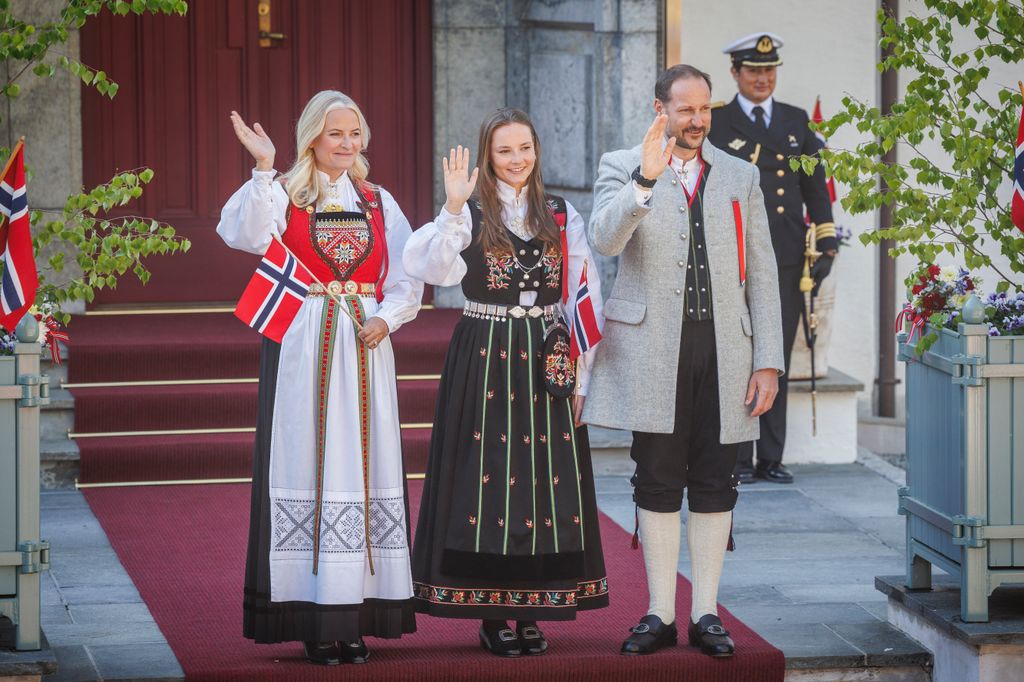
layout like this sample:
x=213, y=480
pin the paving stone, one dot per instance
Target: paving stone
x=826, y=591
x=878, y=609
x=54, y=614
x=812, y=645
x=78, y=569
x=799, y=543
x=734, y=596
x=62, y=499
x=879, y=499
x=772, y=509
x=107, y=594
x=891, y=530
x=73, y=665
x=763, y=617
x=97, y=635
x=838, y=573
x=883, y=644
x=143, y=662
x=90, y=614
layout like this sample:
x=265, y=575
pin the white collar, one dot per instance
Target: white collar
x=507, y=194
x=325, y=179
x=748, y=107
x=688, y=167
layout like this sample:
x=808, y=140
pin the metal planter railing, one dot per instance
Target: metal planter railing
x=22, y=554
x=964, y=499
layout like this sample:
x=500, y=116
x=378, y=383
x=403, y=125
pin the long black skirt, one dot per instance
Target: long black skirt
x=269, y=622
x=508, y=525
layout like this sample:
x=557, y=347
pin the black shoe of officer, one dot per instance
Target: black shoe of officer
x=744, y=473
x=322, y=653
x=354, y=652
x=773, y=472
x=649, y=636
x=708, y=635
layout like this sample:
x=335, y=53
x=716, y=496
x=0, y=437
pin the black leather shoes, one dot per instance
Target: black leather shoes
x=744, y=473
x=354, y=652
x=504, y=642
x=531, y=640
x=773, y=472
x=322, y=653
x=649, y=636
x=708, y=635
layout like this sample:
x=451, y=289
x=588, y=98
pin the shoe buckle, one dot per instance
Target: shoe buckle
x=530, y=632
x=716, y=629
x=506, y=635
x=640, y=629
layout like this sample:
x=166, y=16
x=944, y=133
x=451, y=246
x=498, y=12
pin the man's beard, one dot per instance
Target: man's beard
x=682, y=143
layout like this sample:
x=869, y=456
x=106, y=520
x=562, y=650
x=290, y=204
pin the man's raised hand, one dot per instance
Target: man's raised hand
x=656, y=154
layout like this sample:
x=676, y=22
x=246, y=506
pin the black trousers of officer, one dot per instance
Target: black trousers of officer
x=692, y=456
x=773, y=422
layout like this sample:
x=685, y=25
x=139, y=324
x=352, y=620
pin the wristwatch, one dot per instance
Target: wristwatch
x=641, y=180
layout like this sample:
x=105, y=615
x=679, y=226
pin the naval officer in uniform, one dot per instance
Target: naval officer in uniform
x=757, y=128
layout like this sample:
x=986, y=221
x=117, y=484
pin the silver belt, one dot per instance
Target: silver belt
x=492, y=311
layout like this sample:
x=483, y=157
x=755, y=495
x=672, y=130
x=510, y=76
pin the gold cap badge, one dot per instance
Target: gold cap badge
x=764, y=45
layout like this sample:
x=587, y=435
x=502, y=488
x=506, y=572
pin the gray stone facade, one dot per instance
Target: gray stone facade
x=583, y=69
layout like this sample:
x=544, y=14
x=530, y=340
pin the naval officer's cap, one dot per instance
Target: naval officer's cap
x=757, y=49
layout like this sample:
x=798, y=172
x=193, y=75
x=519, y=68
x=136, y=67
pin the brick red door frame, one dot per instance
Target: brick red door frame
x=180, y=77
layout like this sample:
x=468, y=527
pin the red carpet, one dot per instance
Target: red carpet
x=184, y=547
x=207, y=346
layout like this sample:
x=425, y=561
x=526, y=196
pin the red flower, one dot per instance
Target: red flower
x=934, y=301
x=934, y=270
x=917, y=288
x=969, y=284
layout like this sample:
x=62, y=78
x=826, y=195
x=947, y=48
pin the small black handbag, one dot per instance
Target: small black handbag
x=558, y=372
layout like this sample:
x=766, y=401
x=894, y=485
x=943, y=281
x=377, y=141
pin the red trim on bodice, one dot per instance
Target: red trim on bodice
x=372, y=270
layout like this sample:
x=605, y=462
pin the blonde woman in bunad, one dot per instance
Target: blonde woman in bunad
x=508, y=524
x=319, y=569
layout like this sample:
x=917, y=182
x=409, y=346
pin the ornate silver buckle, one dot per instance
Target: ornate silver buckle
x=535, y=312
x=716, y=629
x=518, y=312
x=334, y=287
x=351, y=287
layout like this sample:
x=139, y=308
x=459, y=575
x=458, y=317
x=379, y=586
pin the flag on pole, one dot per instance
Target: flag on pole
x=275, y=293
x=818, y=118
x=584, y=333
x=20, y=279
x=1017, y=204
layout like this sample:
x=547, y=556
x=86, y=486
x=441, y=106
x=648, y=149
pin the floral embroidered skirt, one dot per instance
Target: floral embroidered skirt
x=508, y=525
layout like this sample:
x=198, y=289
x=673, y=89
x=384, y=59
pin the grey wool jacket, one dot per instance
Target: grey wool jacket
x=633, y=384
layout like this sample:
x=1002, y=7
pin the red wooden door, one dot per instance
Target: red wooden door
x=180, y=77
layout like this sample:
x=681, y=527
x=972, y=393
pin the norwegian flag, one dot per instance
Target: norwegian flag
x=20, y=280
x=275, y=293
x=1017, y=205
x=584, y=333
x=818, y=118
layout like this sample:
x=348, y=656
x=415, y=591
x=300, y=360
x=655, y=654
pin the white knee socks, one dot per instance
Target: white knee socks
x=659, y=533
x=707, y=536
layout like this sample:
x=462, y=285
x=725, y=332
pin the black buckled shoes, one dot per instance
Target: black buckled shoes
x=503, y=642
x=649, y=636
x=531, y=640
x=322, y=653
x=354, y=652
x=708, y=635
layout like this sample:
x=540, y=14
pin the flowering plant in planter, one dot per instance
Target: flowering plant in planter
x=935, y=296
x=50, y=332
x=1005, y=314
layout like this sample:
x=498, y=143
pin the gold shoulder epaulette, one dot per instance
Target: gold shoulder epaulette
x=719, y=104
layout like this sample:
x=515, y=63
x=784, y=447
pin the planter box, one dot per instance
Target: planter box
x=22, y=554
x=964, y=499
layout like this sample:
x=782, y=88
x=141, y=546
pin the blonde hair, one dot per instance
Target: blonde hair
x=301, y=181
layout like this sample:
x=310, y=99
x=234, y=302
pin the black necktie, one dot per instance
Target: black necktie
x=759, y=116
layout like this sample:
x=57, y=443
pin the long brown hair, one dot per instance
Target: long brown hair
x=493, y=236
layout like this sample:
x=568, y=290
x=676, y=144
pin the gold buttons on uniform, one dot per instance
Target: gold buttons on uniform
x=780, y=191
x=781, y=173
x=780, y=209
x=779, y=157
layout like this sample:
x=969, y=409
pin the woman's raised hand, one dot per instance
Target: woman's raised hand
x=256, y=140
x=458, y=183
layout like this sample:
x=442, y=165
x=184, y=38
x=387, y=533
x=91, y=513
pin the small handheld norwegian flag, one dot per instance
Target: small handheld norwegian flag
x=1017, y=205
x=275, y=293
x=20, y=279
x=584, y=332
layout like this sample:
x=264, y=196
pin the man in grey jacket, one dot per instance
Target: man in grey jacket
x=692, y=347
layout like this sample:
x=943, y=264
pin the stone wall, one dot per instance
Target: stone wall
x=583, y=69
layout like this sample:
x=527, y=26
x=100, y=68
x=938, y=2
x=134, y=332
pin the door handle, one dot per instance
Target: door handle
x=263, y=16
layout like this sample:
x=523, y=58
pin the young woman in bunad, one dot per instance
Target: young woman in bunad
x=508, y=524
x=319, y=569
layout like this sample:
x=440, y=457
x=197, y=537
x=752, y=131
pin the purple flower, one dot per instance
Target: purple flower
x=993, y=331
